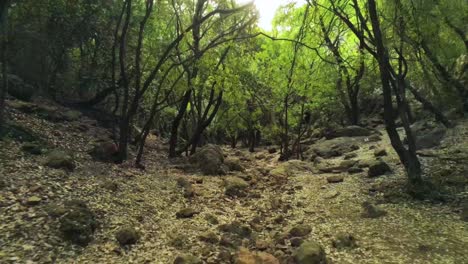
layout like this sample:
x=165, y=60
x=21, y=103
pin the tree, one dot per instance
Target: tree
x=4, y=6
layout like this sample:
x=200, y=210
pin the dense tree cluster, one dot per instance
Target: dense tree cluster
x=202, y=71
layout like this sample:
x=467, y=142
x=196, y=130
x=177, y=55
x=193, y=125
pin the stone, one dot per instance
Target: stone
x=106, y=151
x=378, y=168
x=78, y=224
x=244, y=256
x=33, y=200
x=236, y=228
x=331, y=148
x=310, y=252
x=355, y=170
x=296, y=241
x=71, y=115
x=272, y=150
x=344, y=240
x=60, y=160
x=234, y=164
x=335, y=179
x=371, y=211
x=110, y=185
x=235, y=186
x=349, y=131
x=373, y=138
x=187, y=213
x=430, y=139
x=127, y=236
x=300, y=231
x=350, y=156
x=261, y=244
x=209, y=159
x=209, y=237
x=33, y=148
x=380, y=152
x=187, y=259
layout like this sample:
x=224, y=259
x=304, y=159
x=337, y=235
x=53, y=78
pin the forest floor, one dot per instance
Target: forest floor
x=411, y=231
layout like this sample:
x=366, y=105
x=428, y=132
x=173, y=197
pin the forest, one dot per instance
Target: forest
x=199, y=131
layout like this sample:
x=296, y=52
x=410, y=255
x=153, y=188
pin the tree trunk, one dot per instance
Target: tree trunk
x=3, y=57
x=176, y=123
x=408, y=158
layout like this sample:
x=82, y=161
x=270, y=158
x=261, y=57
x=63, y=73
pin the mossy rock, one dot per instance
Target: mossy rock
x=127, y=236
x=71, y=115
x=58, y=159
x=310, y=252
x=18, y=133
x=78, y=224
x=235, y=186
x=344, y=240
x=236, y=228
x=33, y=148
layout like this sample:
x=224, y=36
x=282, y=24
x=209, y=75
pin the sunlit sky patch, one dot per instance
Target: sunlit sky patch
x=267, y=9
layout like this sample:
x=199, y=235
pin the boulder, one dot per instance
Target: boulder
x=187, y=259
x=234, y=164
x=20, y=89
x=244, y=256
x=332, y=148
x=349, y=131
x=335, y=179
x=272, y=150
x=236, y=228
x=235, y=186
x=104, y=151
x=33, y=148
x=209, y=237
x=380, y=152
x=33, y=200
x=209, y=160
x=291, y=168
x=71, y=115
x=187, y=213
x=344, y=240
x=430, y=139
x=378, y=168
x=127, y=236
x=77, y=223
x=300, y=231
x=372, y=211
x=58, y=159
x=310, y=252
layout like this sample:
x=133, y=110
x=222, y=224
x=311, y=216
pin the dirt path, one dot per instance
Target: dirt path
x=277, y=200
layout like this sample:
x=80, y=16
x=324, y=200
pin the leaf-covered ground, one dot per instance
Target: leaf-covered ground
x=280, y=196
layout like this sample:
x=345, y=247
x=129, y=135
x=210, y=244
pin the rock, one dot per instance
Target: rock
x=187, y=213
x=350, y=131
x=105, y=151
x=19, y=89
x=235, y=186
x=371, y=211
x=272, y=150
x=33, y=148
x=310, y=252
x=300, y=231
x=236, y=228
x=183, y=182
x=355, y=170
x=332, y=148
x=234, y=164
x=110, y=185
x=464, y=212
x=373, y=138
x=296, y=241
x=344, y=240
x=261, y=244
x=209, y=160
x=378, y=168
x=260, y=156
x=380, y=152
x=350, y=156
x=209, y=237
x=187, y=259
x=327, y=167
x=33, y=200
x=335, y=179
x=244, y=256
x=211, y=219
x=127, y=236
x=78, y=223
x=430, y=139
x=71, y=115
x=291, y=168
x=60, y=160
